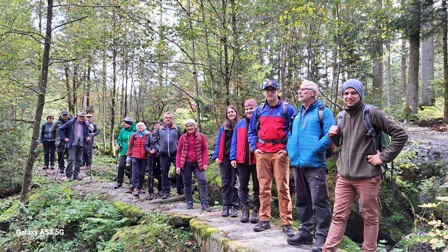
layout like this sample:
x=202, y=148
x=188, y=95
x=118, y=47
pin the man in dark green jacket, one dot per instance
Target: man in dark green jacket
x=359, y=165
x=128, y=129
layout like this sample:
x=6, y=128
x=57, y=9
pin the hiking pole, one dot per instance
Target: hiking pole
x=393, y=182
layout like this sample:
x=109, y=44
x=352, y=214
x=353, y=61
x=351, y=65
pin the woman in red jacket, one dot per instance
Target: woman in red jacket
x=191, y=157
x=137, y=152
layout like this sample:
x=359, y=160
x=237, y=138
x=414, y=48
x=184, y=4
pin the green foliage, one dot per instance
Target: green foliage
x=427, y=113
x=348, y=245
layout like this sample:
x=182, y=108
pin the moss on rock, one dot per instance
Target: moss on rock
x=134, y=214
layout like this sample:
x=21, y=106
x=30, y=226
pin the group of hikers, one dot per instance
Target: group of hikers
x=263, y=145
x=72, y=138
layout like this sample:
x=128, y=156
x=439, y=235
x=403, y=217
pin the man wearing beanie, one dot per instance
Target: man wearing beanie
x=129, y=127
x=359, y=164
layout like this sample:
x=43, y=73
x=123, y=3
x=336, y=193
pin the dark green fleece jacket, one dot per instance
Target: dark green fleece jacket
x=356, y=145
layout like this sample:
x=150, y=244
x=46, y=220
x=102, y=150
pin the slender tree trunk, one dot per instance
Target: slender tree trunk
x=414, y=56
x=114, y=79
x=388, y=77
x=225, y=44
x=445, y=59
x=104, y=99
x=210, y=66
x=404, y=67
x=71, y=107
x=195, y=73
x=42, y=90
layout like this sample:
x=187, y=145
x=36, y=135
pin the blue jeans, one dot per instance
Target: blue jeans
x=186, y=172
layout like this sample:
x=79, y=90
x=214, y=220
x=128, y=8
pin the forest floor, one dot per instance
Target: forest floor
x=240, y=234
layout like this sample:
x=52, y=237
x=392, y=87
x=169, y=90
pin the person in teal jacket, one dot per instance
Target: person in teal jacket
x=129, y=127
x=306, y=148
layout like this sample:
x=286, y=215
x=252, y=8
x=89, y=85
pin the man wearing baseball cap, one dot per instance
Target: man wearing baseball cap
x=359, y=164
x=268, y=130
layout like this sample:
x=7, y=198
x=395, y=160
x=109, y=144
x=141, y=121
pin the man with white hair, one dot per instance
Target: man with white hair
x=306, y=147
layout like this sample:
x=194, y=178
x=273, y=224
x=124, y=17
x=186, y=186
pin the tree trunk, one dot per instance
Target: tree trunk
x=195, y=73
x=27, y=179
x=427, y=96
x=114, y=80
x=414, y=56
x=388, y=77
x=445, y=59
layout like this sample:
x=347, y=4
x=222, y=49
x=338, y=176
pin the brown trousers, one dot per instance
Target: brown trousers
x=275, y=165
x=345, y=194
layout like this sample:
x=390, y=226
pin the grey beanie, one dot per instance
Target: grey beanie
x=128, y=120
x=355, y=84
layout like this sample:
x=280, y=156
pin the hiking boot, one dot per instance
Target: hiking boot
x=299, y=238
x=245, y=214
x=234, y=212
x=141, y=191
x=225, y=211
x=135, y=192
x=159, y=194
x=52, y=168
x=61, y=170
x=165, y=196
x=190, y=205
x=45, y=168
x=254, y=217
x=287, y=229
x=151, y=196
x=206, y=208
x=262, y=225
x=117, y=185
x=317, y=246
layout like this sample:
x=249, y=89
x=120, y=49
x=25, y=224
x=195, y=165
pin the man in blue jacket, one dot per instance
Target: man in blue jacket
x=76, y=138
x=306, y=147
x=268, y=129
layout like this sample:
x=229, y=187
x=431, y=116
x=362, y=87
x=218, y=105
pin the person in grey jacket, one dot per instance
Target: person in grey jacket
x=359, y=165
x=167, y=137
x=75, y=140
x=88, y=148
x=47, y=141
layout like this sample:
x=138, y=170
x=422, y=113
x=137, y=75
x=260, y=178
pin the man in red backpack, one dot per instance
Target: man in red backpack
x=359, y=165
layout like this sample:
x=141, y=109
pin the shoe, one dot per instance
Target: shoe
x=254, y=217
x=245, y=214
x=317, y=246
x=190, y=205
x=141, y=191
x=151, y=196
x=45, y=168
x=234, y=212
x=225, y=211
x=79, y=179
x=206, y=208
x=117, y=185
x=287, y=229
x=165, y=196
x=180, y=193
x=52, y=167
x=159, y=194
x=61, y=170
x=135, y=192
x=298, y=239
x=262, y=225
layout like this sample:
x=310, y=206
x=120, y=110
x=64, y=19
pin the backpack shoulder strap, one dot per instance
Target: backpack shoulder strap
x=285, y=110
x=260, y=108
x=367, y=118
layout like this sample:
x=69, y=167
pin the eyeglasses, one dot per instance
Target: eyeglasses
x=305, y=89
x=50, y=117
